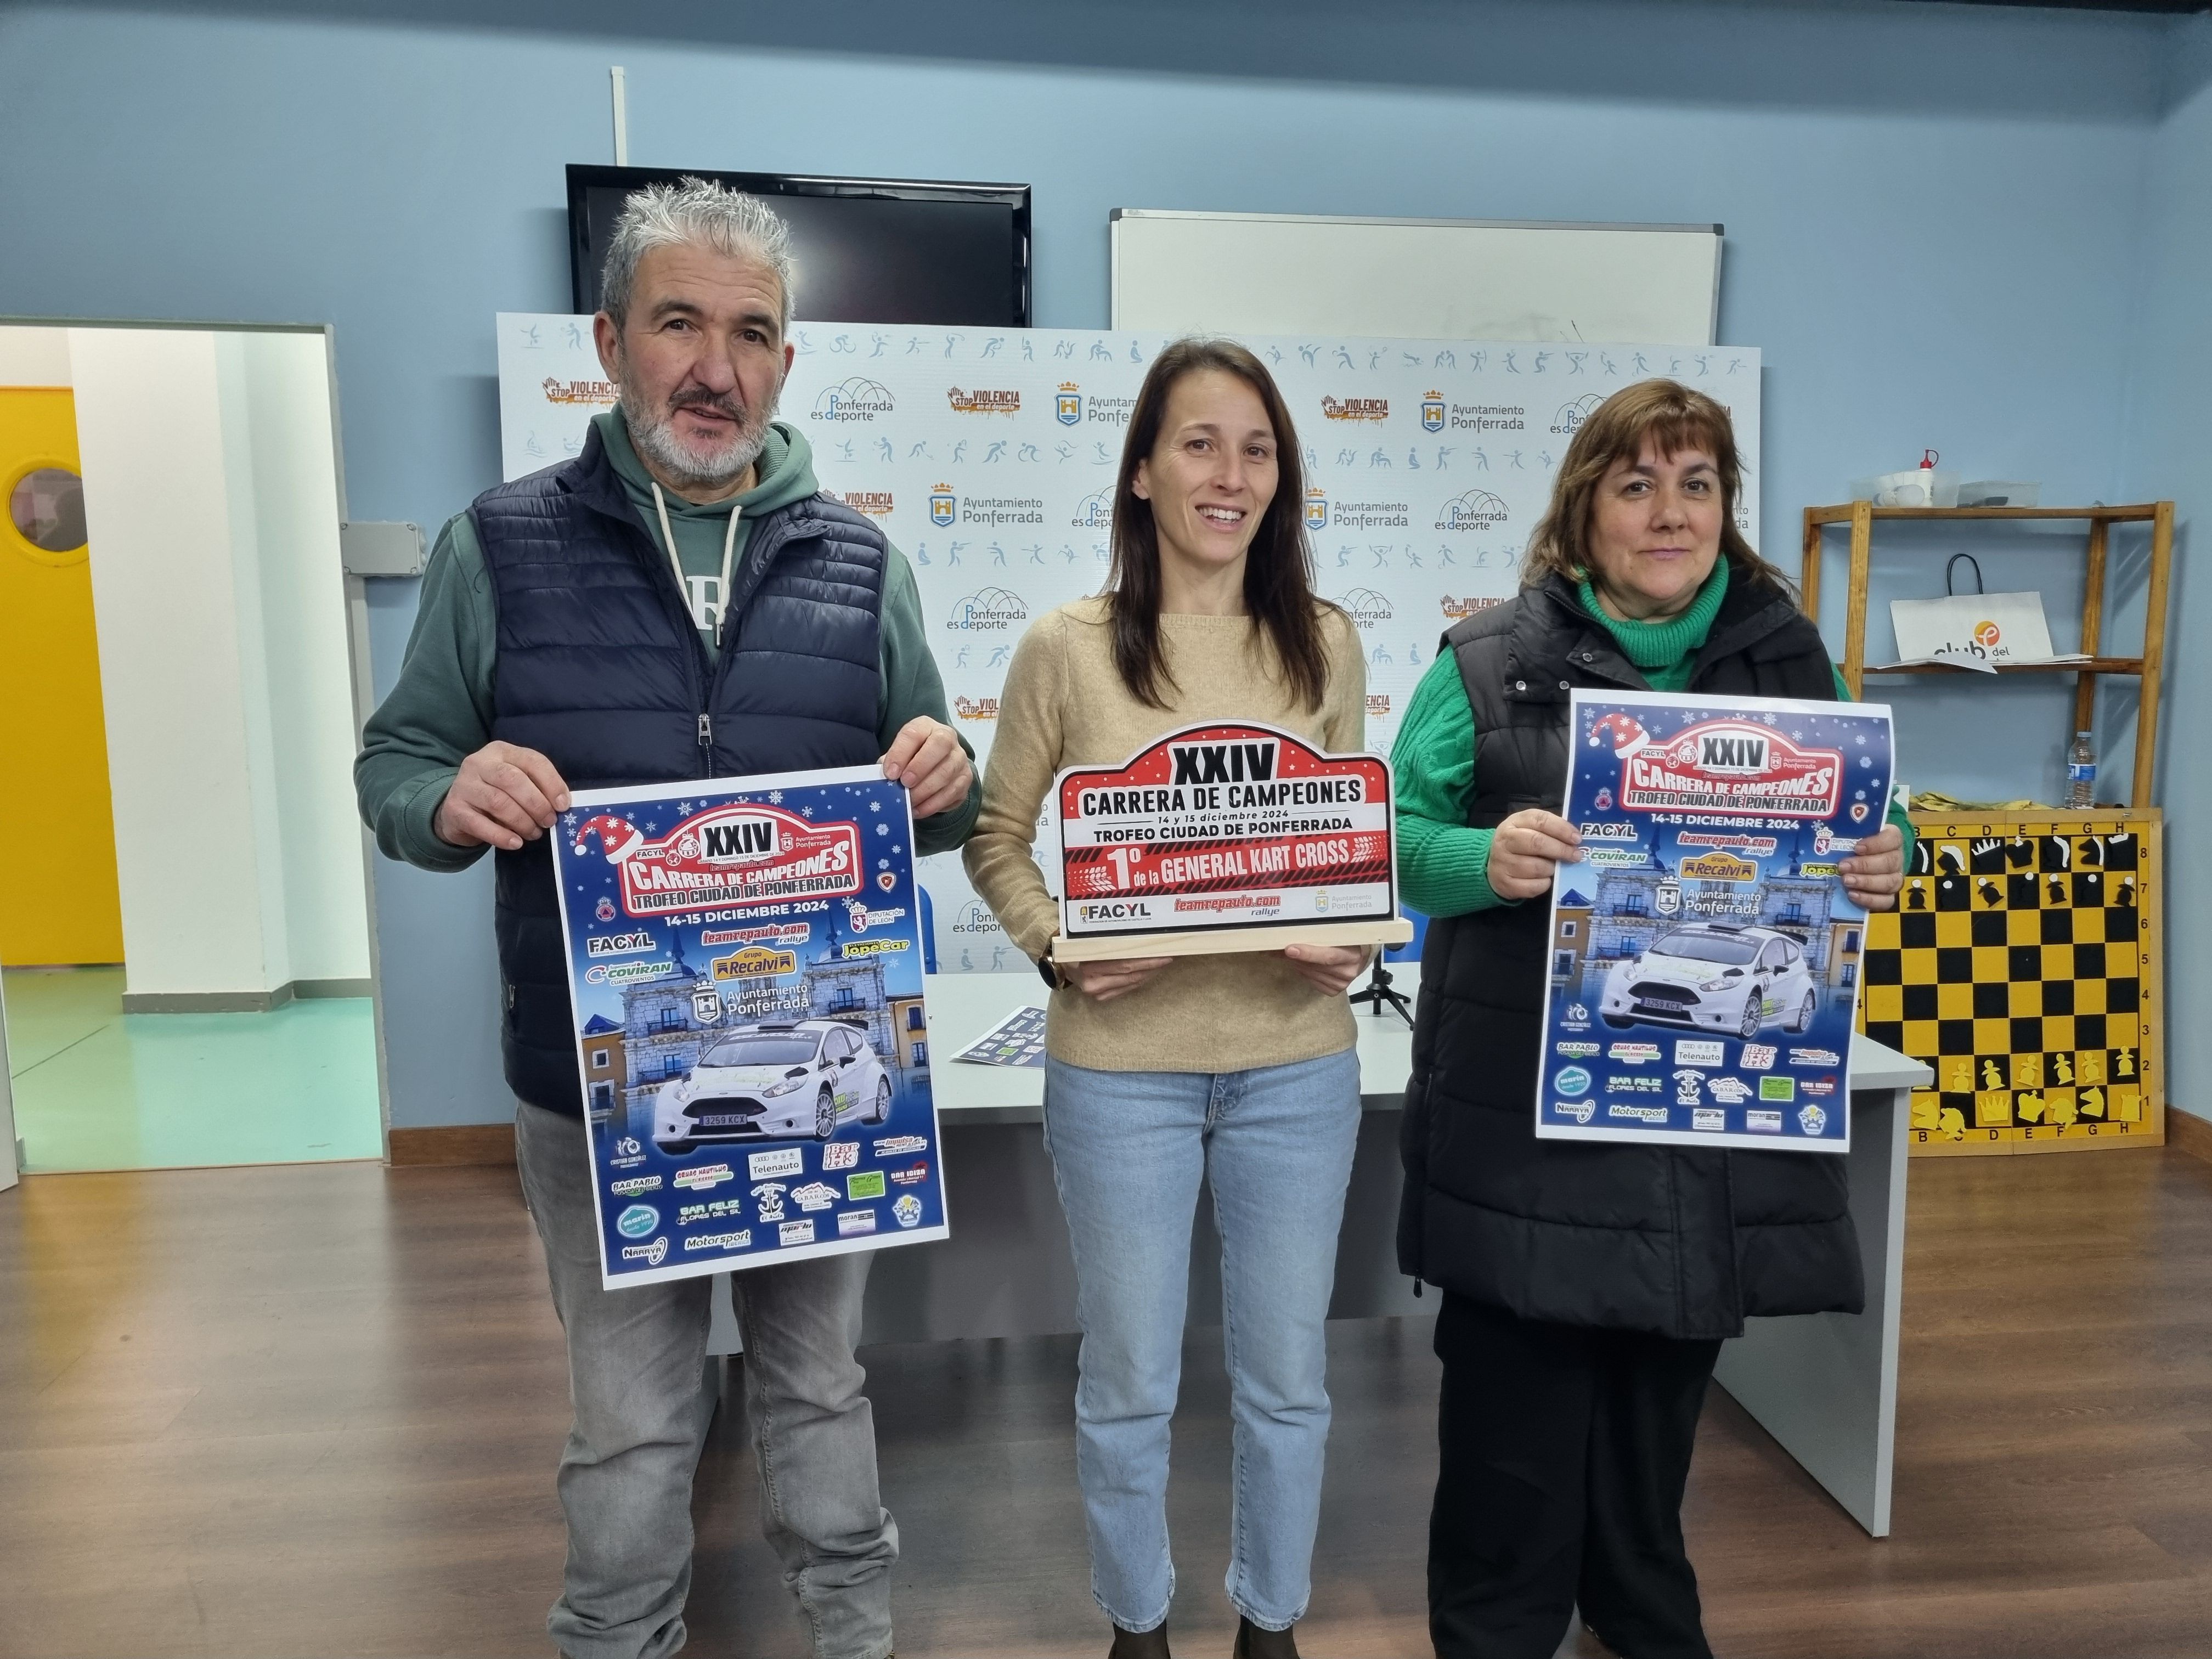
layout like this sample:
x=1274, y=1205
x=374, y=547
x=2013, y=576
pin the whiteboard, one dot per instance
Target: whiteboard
x=1446, y=279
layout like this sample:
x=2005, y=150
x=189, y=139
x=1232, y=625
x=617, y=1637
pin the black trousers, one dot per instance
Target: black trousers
x=1562, y=1453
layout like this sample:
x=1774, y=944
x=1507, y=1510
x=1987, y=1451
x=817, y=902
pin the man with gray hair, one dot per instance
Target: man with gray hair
x=678, y=601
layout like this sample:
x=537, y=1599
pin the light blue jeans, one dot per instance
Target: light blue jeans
x=1128, y=1149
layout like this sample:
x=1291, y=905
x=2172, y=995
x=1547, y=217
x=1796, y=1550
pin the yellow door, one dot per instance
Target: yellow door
x=57, y=837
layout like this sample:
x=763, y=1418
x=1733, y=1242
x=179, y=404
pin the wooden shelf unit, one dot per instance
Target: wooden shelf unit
x=2148, y=668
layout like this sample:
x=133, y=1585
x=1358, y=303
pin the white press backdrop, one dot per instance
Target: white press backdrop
x=989, y=456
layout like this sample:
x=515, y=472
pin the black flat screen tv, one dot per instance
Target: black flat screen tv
x=868, y=250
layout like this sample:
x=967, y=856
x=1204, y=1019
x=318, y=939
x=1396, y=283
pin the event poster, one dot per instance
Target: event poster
x=988, y=455
x=745, y=967
x=1224, y=826
x=1705, y=957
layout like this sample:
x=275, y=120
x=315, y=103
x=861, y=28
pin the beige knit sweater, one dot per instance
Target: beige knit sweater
x=1064, y=705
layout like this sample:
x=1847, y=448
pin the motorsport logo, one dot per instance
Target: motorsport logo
x=875, y=503
x=1569, y=419
x=1726, y=765
x=1067, y=408
x=1488, y=417
x=944, y=505
x=984, y=403
x=1365, y=607
x=1637, y=1114
x=580, y=392
x=976, y=708
x=1094, y=510
x=1316, y=510
x=737, y=1240
x=857, y=399
x=741, y=853
x=1372, y=515
x=1356, y=408
x=1581, y=1110
x=997, y=509
x=1472, y=509
x=1460, y=610
x=987, y=610
x=1432, y=411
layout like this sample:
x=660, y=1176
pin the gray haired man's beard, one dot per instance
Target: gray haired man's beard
x=649, y=430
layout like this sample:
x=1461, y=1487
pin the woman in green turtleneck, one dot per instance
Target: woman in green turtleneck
x=1587, y=1287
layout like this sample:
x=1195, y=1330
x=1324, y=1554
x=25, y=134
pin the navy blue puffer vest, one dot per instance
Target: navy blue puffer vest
x=600, y=669
x=1678, y=1242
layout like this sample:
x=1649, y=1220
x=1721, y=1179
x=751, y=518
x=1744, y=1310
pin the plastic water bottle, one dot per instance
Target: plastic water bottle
x=2081, y=773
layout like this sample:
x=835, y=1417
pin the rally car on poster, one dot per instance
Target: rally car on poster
x=1711, y=975
x=773, y=1082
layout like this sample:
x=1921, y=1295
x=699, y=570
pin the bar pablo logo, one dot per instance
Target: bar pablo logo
x=1720, y=766
x=738, y=853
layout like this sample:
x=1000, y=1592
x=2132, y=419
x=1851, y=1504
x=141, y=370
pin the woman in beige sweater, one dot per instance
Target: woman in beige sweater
x=1162, y=1072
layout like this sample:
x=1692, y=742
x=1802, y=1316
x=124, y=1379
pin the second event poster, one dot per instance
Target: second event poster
x=1703, y=953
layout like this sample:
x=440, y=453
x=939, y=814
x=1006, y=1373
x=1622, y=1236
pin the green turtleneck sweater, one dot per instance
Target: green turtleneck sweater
x=1444, y=866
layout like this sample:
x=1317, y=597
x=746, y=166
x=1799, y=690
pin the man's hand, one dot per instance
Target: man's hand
x=1523, y=849
x=504, y=796
x=1873, y=875
x=1104, y=981
x=1329, y=969
x=928, y=758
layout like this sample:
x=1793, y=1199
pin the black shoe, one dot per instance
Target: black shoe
x=1253, y=1642
x=1139, y=1643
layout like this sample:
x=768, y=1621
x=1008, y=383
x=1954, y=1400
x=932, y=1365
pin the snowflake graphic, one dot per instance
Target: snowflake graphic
x=807, y=811
x=776, y=797
x=684, y=807
x=878, y=806
x=882, y=828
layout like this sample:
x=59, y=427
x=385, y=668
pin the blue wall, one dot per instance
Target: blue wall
x=1933, y=216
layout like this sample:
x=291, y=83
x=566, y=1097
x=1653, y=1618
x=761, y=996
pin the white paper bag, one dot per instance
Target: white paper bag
x=1992, y=628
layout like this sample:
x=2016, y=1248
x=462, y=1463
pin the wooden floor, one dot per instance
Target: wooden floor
x=315, y=1410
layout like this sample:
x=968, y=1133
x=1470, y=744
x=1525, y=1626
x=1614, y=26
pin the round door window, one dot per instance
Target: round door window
x=47, y=509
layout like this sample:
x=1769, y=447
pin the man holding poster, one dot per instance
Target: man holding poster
x=1588, y=1285
x=679, y=603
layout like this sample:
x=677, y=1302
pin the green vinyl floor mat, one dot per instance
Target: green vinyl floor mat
x=98, y=1089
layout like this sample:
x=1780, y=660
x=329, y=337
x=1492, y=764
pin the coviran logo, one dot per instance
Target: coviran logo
x=756, y=962
x=1472, y=509
x=875, y=503
x=1067, y=408
x=976, y=708
x=578, y=392
x=1378, y=705
x=984, y=403
x=1094, y=510
x=1316, y=510
x=944, y=505
x=856, y=399
x=1365, y=607
x=1571, y=416
x=988, y=610
x=1356, y=408
x=1432, y=411
x=1460, y=610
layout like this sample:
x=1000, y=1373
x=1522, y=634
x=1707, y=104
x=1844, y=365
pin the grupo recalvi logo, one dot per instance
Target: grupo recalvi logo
x=856, y=399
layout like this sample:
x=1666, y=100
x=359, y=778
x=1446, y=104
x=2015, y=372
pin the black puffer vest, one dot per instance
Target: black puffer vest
x=600, y=669
x=1680, y=1242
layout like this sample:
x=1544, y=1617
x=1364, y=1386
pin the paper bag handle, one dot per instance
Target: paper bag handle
x=1970, y=560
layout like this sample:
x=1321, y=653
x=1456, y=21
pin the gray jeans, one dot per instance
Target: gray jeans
x=635, y=1359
